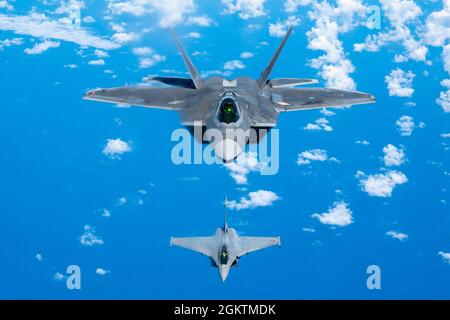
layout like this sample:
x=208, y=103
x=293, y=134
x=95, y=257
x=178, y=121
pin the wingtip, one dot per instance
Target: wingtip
x=279, y=242
x=171, y=242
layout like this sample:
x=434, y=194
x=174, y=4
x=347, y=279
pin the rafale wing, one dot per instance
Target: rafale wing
x=203, y=245
x=150, y=97
x=251, y=244
x=291, y=99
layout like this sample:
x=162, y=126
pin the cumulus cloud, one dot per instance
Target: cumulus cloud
x=89, y=238
x=402, y=15
x=393, y=156
x=115, y=148
x=151, y=61
x=260, y=198
x=397, y=235
x=10, y=42
x=319, y=125
x=306, y=157
x=339, y=215
x=444, y=101
x=280, y=28
x=201, y=21
x=330, y=22
x=381, y=184
x=445, y=256
x=193, y=35
x=445, y=135
x=399, y=83
x=245, y=8
x=101, y=271
x=406, y=125
x=363, y=142
x=243, y=165
x=98, y=62
x=40, y=26
x=41, y=47
x=39, y=257
x=234, y=64
x=247, y=55
x=59, y=276
x=171, y=12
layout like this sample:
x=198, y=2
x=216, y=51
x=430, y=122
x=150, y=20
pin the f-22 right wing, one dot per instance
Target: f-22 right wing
x=292, y=99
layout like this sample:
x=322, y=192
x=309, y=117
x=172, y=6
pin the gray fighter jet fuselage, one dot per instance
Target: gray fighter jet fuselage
x=225, y=247
x=227, y=110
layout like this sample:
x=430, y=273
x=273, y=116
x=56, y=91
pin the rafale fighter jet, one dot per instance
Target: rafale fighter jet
x=230, y=107
x=225, y=247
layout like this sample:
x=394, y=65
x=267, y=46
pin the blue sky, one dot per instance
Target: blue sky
x=93, y=185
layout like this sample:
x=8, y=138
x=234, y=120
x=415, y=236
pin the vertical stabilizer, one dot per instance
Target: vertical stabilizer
x=268, y=70
x=198, y=82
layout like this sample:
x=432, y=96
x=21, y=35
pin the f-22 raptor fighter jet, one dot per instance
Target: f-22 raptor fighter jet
x=225, y=247
x=230, y=111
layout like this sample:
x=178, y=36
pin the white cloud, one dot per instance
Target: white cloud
x=99, y=62
x=39, y=257
x=59, y=276
x=171, y=12
x=243, y=165
x=381, y=184
x=101, y=271
x=291, y=6
x=280, y=28
x=89, y=238
x=151, y=61
x=393, y=156
x=247, y=55
x=123, y=37
x=400, y=14
x=340, y=215
x=397, y=235
x=234, y=64
x=193, y=35
x=306, y=157
x=400, y=83
x=309, y=230
x=88, y=19
x=5, y=5
x=106, y=213
x=260, y=198
x=330, y=23
x=363, y=142
x=445, y=135
x=444, y=101
x=40, y=26
x=142, y=51
x=116, y=147
x=406, y=125
x=326, y=112
x=445, y=256
x=319, y=125
x=71, y=66
x=101, y=53
x=246, y=8
x=41, y=47
x=201, y=21
x=10, y=42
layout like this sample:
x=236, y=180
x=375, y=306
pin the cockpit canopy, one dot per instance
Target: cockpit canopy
x=228, y=111
x=223, y=255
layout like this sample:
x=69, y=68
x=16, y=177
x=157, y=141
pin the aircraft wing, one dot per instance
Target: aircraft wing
x=144, y=96
x=291, y=99
x=203, y=245
x=251, y=244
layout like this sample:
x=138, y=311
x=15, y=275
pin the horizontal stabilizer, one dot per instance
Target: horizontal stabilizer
x=173, y=81
x=290, y=82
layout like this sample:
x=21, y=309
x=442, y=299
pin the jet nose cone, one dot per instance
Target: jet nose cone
x=227, y=150
x=224, y=271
